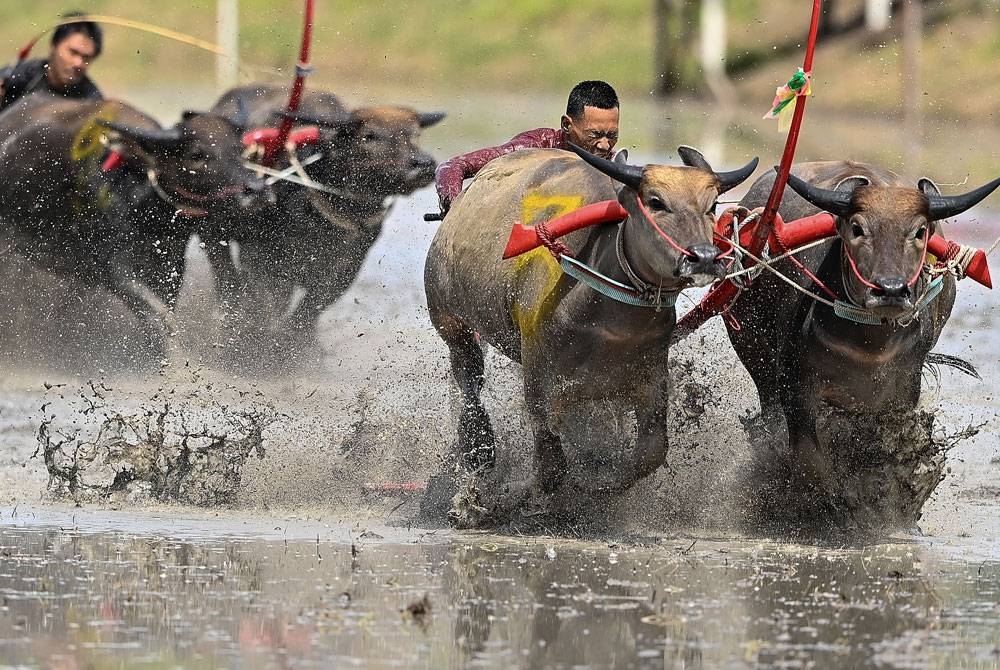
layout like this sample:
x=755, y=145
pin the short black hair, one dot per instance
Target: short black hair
x=590, y=94
x=88, y=28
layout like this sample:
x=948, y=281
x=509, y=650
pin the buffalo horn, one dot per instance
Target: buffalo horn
x=943, y=206
x=145, y=136
x=428, y=119
x=836, y=202
x=326, y=122
x=630, y=175
x=728, y=180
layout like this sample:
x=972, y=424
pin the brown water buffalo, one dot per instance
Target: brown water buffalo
x=845, y=447
x=575, y=346
x=126, y=229
x=312, y=239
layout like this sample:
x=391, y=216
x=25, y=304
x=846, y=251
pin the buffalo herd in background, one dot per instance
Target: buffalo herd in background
x=99, y=193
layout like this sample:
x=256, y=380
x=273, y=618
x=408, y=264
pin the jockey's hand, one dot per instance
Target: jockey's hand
x=444, y=204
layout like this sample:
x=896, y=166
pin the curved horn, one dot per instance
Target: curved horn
x=943, y=206
x=326, y=122
x=630, y=175
x=428, y=119
x=836, y=202
x=150, y=136
x=728, y=180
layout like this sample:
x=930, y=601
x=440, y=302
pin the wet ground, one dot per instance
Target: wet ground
x=267, y=576
x=85, y=589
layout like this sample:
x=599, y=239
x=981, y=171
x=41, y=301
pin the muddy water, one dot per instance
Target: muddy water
x=125, y=580
x=111, y=590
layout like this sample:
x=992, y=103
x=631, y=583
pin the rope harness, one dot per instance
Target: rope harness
x=639, y=294
x=845, y=309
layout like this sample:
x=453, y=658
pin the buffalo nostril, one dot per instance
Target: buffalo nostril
x=892, y=287
x=702, y=255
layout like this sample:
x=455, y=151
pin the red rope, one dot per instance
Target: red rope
x=551, y=243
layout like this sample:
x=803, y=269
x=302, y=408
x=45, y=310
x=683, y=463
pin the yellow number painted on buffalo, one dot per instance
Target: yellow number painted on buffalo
x=537, y=272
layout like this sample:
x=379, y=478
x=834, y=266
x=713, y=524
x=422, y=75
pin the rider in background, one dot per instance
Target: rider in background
x=64, y=73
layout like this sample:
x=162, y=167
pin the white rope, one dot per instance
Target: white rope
x=764, y=264
x=778, y=258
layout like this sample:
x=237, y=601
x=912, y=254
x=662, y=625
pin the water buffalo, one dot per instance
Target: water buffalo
x=318, y=239
x=124, y=229
x=575, y=346
x=845, y=447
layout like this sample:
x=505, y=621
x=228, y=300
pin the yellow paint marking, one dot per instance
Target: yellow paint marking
x=534, y=204
x=537, y=273
x=89, y=141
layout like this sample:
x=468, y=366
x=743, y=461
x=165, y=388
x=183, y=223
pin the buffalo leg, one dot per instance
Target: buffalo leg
x=476, y=442
x=153, y=313
x=651, y=440
x=230, y=283
x=549, y=457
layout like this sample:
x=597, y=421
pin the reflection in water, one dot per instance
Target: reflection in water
x=69, y=599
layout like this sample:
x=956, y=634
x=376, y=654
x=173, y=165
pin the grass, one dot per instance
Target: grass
x=450, y=48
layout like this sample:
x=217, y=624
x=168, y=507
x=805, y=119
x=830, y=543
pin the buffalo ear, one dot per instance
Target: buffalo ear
x=428, y=119
x=693, y=158
x=848, y=184
x=927, y=187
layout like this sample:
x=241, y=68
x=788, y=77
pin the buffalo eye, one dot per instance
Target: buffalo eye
x=657, y=205
x=921, y=231
x=857, y=231
x=711, y=210
x=198, y=154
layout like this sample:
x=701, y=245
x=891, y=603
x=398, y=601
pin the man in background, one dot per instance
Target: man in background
x=590, y=122
x=74, y=47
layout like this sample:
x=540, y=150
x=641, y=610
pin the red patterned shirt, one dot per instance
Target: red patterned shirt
x=449, y=175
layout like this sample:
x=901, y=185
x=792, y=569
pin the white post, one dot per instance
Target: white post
x=227, y=30
x=713, y=49
x=877, y=14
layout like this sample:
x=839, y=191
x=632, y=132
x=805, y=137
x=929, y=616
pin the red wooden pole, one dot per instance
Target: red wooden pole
x=302, y=69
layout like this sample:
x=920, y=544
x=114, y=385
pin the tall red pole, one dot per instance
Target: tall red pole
x=774, y=199
x=302, y=69
x=721, y=296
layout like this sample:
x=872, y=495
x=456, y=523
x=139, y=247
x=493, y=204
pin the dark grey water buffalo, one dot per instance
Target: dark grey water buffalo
x=847, y=448
x=576, y=346
x=317, y=239
x=124, y=229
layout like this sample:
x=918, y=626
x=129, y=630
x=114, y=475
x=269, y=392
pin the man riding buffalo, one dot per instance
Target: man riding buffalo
x=75, y=46
x=590, y=122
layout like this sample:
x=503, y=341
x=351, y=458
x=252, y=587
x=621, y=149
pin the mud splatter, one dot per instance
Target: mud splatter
x=868, y=474
x=165, y=449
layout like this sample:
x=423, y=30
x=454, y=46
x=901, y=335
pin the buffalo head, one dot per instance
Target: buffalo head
x=198, y=160
x=884, y=230
x=373, y=150
x=669, y=233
